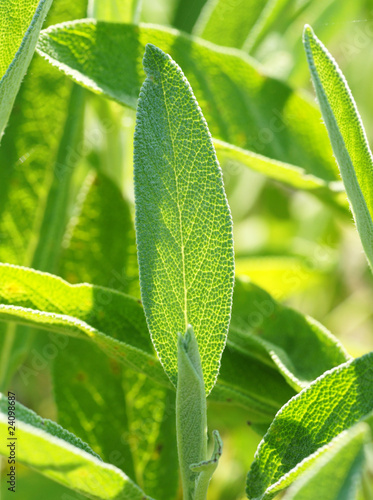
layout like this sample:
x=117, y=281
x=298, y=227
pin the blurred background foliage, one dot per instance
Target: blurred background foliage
x=304, y=252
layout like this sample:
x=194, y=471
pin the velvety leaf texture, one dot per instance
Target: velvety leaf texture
x=183, y=222
x=10, y=35
x=336, y=473
x=347, y=135
x=304, y=427
x=59, y=455
x=242, y=106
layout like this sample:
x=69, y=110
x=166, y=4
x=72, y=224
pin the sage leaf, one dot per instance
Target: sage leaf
x=183, y=223
x=347, y=136
x=36, y=165
x=228, y=23
x=244, y=107
x=336, y=473
x=300, y=347
x=59, y=455
x=19, y=43
x=249, y=376
x=207, y=468
x=306, y=425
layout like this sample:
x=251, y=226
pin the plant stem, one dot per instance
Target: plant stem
x=191, y=419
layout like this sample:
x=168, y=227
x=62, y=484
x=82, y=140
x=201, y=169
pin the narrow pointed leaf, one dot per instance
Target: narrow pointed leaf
x=335, y=474
x=183, y=222
x=59, y=455
x=306, y=425
x=242, y=106
x=347, y=136
x=14, y=14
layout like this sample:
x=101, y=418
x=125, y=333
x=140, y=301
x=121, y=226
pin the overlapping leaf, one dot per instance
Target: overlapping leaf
x=306, y=425
x=336, y=473
x=58, y=454
x=37, y=157
x=183, y=223
x=347, y=136
x=248, y=377
x=242, y=106
x=20, y=26
x=86, y=311
x=299, y=346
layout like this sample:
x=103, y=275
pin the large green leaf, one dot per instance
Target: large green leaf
x=86, y=311
x=37, y=157
x=335, y=474
x=347, y=135
x=305, y=426
x=183, y=222
x=58, y=454
x=20, y=26
x=242, y=106
x=299, y=346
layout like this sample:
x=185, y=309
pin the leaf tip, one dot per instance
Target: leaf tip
x=152, y=56
x=307, y=34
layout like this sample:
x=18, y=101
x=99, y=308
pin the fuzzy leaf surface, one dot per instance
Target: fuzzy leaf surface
x=20, y=43
x=347, y=136
x=183, y=222
x=59, y=455
x=335, y=474
x=305, y=426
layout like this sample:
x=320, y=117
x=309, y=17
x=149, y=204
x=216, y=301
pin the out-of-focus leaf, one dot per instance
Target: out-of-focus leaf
x=183, y=222
x=335, y=473
x=99, y=245
x=280, y=275
x=37, y=157
x=242, y=106
x=291, y=175
x=186, y=14
x=58, y=454
x=118, y=11
x=87, y=311
x=20, y=26
x=347, y=136
x=152, y=434
x=299, y=346
x=228, y=23
x=305, y=426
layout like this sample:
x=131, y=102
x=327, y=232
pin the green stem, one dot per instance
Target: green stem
x=191, y=419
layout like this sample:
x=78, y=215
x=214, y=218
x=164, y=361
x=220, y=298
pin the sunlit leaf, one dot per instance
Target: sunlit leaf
x=347, y=135
x=305, y=426
x=20, y=26
x=58, y=454
x=183, y=222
